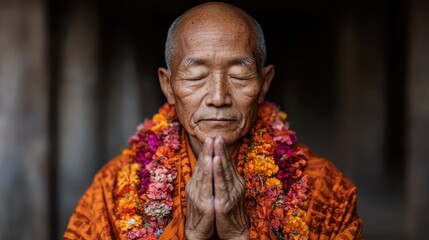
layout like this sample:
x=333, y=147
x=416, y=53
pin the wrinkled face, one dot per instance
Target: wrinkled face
x=216, y=83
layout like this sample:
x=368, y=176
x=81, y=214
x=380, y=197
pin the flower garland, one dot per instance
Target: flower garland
x=276, y=189
x=268, y=159
x=145, y=183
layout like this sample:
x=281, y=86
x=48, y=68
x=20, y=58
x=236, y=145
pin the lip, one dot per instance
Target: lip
x=217, y=120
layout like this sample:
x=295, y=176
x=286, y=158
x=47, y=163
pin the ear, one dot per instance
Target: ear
x=164, y=80
x=267, y=77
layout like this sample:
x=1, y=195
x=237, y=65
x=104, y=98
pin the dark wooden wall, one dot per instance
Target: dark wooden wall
x=76, y=78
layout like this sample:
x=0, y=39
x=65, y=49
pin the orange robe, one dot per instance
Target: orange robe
x=331, y=212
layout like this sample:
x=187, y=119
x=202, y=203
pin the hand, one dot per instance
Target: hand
x=229, y=196
x=215, y=196
x=200, y=219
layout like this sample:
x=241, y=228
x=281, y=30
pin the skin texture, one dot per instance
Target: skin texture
x=217, y=85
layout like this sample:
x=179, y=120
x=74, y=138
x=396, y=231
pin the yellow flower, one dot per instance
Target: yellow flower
x=130, y=201
x=161, y=123
x=261, y=165
x=128, y=153
x=134, y=178
x=159, y=118
x=132, y=222
x=128, y=175
x=160, y=127
x=295, y=226
x=273, y=183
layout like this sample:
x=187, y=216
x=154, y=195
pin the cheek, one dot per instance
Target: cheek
x=247, y=88
x=246, y=96
x=185, y=110
x=249, y=114
x=188, y=99
x=246, y=99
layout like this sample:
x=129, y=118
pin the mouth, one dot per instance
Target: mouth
x=217, y=120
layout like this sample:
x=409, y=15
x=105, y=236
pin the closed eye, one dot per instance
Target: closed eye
x=242, y=77
x=195, y=78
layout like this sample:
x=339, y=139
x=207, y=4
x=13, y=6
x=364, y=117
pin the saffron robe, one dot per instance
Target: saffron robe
x=331, y=212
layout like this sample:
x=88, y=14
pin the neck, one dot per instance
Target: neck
x=196, y=146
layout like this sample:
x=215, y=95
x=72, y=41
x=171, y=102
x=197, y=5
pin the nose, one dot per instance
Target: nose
x=218, y=92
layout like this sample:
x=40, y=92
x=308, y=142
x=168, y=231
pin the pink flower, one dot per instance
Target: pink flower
x=277, y=125
x=172, y=141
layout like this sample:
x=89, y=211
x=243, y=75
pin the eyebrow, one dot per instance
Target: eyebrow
x=245, y=61
x=194, y=61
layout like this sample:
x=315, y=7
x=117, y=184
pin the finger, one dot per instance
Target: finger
x=235, y=182
x=226, y=163
x=208, y=147
x=207, y=180
x=220, y=150
x=198, y=174
x=220, y=183
x=204, y=170
x=207, y=150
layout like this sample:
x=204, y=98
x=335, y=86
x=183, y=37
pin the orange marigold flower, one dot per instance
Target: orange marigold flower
x=160, y=127
x=163, y=152
x=129, y=153
x=267, y=113
x=275, y=223
x=169, y=111
x=267, y=139
x=144, y=198
x=159, y=118
x=273, y=183
x=128, y=176
x=278, y=212
x=261, y=165
x=161, y=123
x=295, y=227
x=131, y=222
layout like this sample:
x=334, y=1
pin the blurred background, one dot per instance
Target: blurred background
x=77, y=77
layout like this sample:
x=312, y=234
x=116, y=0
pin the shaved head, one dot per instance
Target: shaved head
x=216, y=15
x=216, y=76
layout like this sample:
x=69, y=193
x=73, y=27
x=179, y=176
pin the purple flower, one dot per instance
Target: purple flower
x=154, y=142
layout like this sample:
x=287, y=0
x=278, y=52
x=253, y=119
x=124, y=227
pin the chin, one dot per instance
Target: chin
x=228, y=137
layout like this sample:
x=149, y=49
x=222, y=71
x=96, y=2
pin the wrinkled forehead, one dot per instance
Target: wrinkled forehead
x=215, y=33
x=219, y=33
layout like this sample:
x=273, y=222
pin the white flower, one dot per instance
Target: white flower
x=132, y=222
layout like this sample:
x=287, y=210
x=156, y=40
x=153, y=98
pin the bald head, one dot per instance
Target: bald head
x=220, y=16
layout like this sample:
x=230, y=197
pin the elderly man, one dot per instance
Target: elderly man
x=217, y=161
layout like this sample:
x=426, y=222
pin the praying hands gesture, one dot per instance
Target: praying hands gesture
x=215, y=196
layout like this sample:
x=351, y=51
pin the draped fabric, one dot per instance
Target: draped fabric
x=331, y=212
